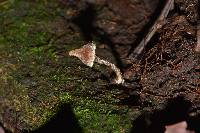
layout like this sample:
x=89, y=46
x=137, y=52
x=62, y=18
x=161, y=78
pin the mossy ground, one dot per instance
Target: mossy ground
x=36, y=74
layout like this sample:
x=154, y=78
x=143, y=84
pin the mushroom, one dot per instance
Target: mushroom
x=87, y=55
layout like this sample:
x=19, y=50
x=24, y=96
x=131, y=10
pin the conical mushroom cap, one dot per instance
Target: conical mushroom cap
x=86, y=54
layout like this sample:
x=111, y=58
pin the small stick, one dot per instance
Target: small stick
x=160, y=21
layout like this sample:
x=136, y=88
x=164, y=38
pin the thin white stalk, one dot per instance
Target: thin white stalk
x=119, y=79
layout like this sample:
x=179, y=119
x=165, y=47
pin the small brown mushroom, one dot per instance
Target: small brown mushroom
x=87, y=55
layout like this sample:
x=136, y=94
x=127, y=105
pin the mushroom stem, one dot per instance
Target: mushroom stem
x=118, y=79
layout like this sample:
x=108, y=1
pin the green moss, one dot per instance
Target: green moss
x=65, y=97
x=95, y=116
x=95, y=121
x=36, y=75
x=5, y=4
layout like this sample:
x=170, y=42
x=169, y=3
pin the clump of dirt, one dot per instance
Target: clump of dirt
x=122, y=26
x=189, y=8
x=171, y=67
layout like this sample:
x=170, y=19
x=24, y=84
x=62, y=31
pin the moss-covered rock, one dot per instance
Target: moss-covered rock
x=36, y=74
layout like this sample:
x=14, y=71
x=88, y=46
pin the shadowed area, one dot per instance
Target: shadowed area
x=64, y=121
x=177, y=110
x=85, y=21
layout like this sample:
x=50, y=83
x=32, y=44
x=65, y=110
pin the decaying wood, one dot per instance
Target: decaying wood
x=197, y=49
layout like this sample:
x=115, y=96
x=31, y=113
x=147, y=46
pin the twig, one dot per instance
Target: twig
x=160, y=21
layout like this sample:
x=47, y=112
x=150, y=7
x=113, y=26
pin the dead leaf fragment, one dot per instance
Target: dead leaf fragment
x=178, y=128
